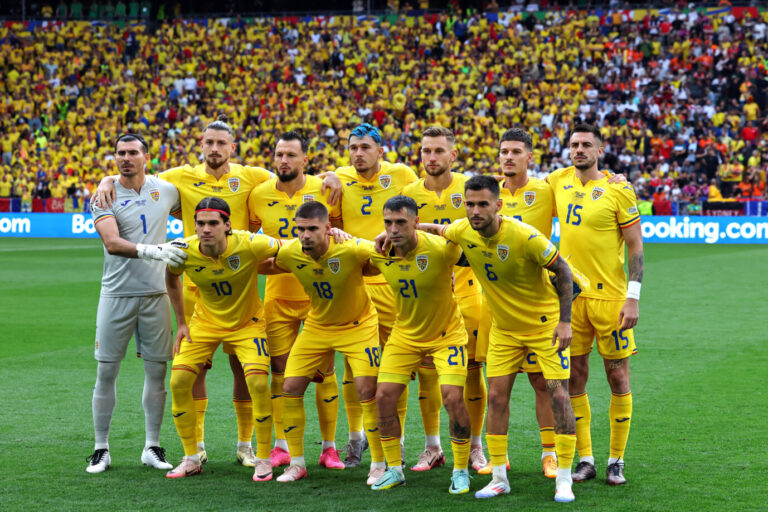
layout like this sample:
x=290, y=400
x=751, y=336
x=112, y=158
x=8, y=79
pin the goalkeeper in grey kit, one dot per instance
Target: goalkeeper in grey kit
x=133, y=299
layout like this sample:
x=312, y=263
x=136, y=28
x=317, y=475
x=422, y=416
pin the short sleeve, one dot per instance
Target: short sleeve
x=451, y=231
x=173, y=176
x=263, y=246
x=99, y=213
x=626, y=211
x=452, y=252
x=410, y=175
x=252, y=206
x=539, y=249
x=364, y=250
x=257, y=175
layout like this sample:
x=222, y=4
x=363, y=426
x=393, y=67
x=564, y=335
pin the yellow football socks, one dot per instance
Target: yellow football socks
x=391, y=447
x=276, y=388
x=565, y=447
x=201, y=405
x=327, y=402
x=620, y=412
x=476, y=398
x=294, y=421
x=261, y=410
x=244, y=416
x=547, y=439
x=583, y=414
x=351, y=400
x=370, y=412
x=184, y=407
x=430, y=400
x=460, y=449
x=497, y=449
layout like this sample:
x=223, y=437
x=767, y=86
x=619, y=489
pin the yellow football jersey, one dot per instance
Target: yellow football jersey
x=511, y=269
x=334, y=283
x=421, y=281
x=194, y=184
x=275, y=212
x=533, y=204
x=591, y=219
x=228, y=299
x=363, y=201
x=444, y=209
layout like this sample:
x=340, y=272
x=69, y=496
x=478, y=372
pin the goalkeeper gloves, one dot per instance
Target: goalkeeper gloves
x=170, y=253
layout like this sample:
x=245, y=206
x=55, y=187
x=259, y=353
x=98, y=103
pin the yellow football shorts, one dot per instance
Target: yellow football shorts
x=471, y=308
x=283, y=323
x=402, y=356
x=530, y=363
x=383, y=299
x=249, y=344
x=358, y=341
x=507, y=350
x=597, y=318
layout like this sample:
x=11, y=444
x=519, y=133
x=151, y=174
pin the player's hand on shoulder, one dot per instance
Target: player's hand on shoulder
x=171, y=253
x=332, y=183
x=615, y=178
x=339, y=235
x=105, y=195
x=382, y=243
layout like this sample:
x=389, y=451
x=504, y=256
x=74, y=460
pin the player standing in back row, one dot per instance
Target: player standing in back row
x=597, y=219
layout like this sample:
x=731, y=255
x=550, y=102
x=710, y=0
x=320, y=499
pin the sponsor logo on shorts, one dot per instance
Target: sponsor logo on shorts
x=334, y=265
x=234, y=184
x=385, y=180
x=502, y=251
x=422, y=261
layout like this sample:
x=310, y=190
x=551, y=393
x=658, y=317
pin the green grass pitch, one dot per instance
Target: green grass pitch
x=698, y=430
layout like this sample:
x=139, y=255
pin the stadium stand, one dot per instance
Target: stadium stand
x=679, y=94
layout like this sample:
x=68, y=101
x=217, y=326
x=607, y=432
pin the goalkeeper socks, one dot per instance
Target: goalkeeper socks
x=327, y=402
x=184, y=406
x=430, y=400
x=583, y=414
x=103, y=404
x=276, y=388
x=244, y=416
x=476, y=398
x=620, y=412
x=153, y=400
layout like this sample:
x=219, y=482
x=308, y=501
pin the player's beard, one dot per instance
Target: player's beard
x=585, y=165
x=485, y=223
x=437, y=171
x=216, y=164
x=289, y=176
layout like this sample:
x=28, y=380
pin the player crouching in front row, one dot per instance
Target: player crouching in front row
x=223, y=264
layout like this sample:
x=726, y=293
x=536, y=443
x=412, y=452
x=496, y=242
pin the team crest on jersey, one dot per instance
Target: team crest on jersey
x=457, y=200
x=154, y=194
x=502, y=251
x=234, y=184
x=529, y=197
x=422, y=260
x=597, y=193
x=385, y=180
x=334, y=265
x=308, y=198
x=234, y=262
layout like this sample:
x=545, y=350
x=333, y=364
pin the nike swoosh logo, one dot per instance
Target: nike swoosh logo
x=532, y=236
x=474, y=399
x=373, y=429
x=621, y=420
x=566, y=187
x=350, y=183
x=388, y=263
x=301, y=266
x=199, y=183
x=273, y=203
x=179, y=414
x=579, y=418
x=286, y=430
x=471, y=246
x=276, y=396
x=329, y=400
x=344, y=383
x=422, y=205
x=265, y=418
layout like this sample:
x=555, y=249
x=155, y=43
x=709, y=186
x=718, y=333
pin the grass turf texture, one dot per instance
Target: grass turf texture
x=699, y=408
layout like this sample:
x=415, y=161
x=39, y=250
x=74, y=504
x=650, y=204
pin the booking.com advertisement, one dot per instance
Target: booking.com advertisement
x=656, y=229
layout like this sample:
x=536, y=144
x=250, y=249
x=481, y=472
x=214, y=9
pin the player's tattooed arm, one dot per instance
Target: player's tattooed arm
x=564, y=285
x=630, y=312
x=435, y=229
x=636, y=266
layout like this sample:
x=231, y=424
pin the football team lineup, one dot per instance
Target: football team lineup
x=447, y=279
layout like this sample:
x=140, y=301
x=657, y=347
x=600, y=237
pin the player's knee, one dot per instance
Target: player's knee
x=538, y=382
x=182, y=378
x=617, y=373
x=293, y=386
x=366, y=389
x=386, y=399
x=497, y=401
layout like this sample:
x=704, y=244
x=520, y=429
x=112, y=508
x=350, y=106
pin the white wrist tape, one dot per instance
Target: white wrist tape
x=633, y=290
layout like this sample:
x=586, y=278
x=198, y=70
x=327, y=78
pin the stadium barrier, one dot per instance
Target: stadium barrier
x=656, y=228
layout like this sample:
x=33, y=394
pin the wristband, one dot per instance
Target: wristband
x=633, y=290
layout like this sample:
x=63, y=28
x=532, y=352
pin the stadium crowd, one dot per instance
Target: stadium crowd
x=680, y=98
